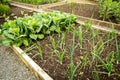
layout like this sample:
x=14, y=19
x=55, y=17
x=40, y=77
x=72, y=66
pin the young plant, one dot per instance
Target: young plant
x=4, y=9
x=53, y=43
x=85, y=59
x=88, y=25
x=109, y=10
x=40, y=50
x=60, y=55
x=96, y=75
x=113, y=34
x=30, y=48
x=80, y=35
x=72, y=67
x=70, y=27
x=117, y=51
x=94, y=34
x=97, y=49
x=108, y=65
x=62, y=40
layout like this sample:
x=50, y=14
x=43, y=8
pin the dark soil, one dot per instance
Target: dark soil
x=57, y=71
x=85, y=10
x=15, y=11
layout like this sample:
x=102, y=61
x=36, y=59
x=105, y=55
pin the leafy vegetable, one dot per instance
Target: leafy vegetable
x=23, y=31
x=110, y=10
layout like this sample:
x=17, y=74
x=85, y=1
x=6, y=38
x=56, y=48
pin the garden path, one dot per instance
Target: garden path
x=12, y=68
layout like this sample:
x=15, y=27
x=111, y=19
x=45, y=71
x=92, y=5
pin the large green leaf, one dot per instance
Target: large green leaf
x=33, y=36
x=8, y=35
x=58, y=30
x=23, y=30
x=40, y=36
x=25, y=42
x=53, y=28
x=6, y=42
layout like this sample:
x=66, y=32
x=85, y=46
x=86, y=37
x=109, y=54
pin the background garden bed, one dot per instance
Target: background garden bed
x=91, y=17
x=80, y=9
x=84, y=12
x=15, y=11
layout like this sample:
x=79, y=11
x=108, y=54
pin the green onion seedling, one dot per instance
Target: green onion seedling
x=80, y=35
x=54, y=43
x=117, y=51
x=60, y=55
x=40, y=51
x=62, y=40
x=96, y=75
x=108, y=65
x=72, y=67
x=97, y=49
x=87, y=25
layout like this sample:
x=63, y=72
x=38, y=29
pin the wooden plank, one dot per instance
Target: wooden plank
x=97, y=26
x=26, y=7
x=101, y=23
x=39, y=72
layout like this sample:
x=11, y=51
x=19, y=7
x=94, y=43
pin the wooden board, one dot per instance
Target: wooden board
x=38, y=71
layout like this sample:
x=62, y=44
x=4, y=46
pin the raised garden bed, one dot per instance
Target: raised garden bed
x=80, y=9
x=84, y=12
x=38, y=71
x=89, y=56
x=95, y=52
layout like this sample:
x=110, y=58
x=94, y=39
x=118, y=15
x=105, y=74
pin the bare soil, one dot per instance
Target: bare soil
x=15, y=11
x=80, y=9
